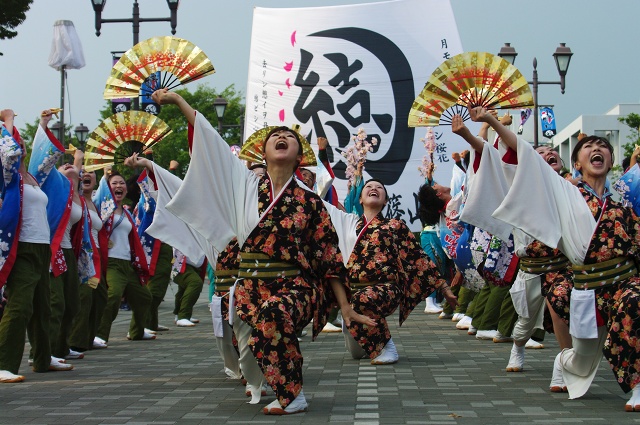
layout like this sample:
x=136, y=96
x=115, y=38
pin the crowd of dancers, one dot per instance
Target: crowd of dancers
x=512, y=247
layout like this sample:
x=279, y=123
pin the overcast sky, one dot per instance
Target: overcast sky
x=603, y=36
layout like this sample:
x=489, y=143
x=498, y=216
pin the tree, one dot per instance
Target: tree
x=633, y=121
x=12, y=14
x=175, y=146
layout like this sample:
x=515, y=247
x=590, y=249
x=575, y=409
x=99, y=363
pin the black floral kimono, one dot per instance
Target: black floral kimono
x=296, y=244
x=387, y=269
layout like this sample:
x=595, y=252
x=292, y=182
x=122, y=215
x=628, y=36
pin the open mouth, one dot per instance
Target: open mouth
x=118, y=192
x=281, y=144
x=552, y=160
x=597, y=159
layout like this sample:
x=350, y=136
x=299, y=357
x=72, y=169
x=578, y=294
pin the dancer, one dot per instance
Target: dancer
x=541, y=267
x=127, y=270
x=64, y=209
x=24, y=269
x=388, y=270
x=158, y=253
x=283, y=229
x=600, y=237
x=93, y=295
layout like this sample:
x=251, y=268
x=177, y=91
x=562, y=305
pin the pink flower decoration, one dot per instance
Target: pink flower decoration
x=288, y=83
x=281, y=115
x=280, y=93
x=288, y=66
x=293, y=38
x=357, y=153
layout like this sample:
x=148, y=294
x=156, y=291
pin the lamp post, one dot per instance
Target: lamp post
x=57, y=129
x=98, y=7
x=562, y=57
x=81, y=134
x=220, y=105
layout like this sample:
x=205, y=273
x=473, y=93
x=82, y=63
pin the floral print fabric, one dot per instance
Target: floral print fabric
x=397, y=273
x=10, y=211
x=617, y=235
x=296, y=230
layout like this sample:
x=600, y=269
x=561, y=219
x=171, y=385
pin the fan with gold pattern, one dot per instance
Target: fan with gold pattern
x=253, y=148
x=159, y=62
x=120, y=136
x=471, y=78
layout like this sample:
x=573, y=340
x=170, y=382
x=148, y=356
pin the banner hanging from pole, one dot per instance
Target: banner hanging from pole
x=548, y=122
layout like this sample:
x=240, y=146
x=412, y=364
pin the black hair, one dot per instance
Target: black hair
x=133, y=189
x=626, y=162
x=113, y=174
x=285, y=128
x=386, y=193
x=580, y=144
x=429, y=205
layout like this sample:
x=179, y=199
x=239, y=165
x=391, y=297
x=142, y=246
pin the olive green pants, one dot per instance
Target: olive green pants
x=85, y=325
x=159, y=283
x=488, y=305
x=28, y=306
x=123, y=280
x=189, y=288
x=65, y=303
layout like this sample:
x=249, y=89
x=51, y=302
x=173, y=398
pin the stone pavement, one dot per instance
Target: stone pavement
x=443, y=377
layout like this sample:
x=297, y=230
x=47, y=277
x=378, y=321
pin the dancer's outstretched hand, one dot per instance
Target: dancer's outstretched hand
x=480, y=114
x=349, y=314
x=452, y=300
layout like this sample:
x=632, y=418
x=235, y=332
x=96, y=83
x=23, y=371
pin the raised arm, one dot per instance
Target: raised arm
x=6, y=116
x=458, y=127
x=134, y=161
x=480, y=114
x=166, y=97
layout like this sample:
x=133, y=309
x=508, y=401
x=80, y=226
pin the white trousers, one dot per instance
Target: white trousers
x=580, y=363
x=228, y=351
x=248, y=363
x=526, y=326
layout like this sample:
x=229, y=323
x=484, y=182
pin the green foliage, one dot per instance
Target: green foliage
x=175, y=146
x=633, y=121
x=12, y=14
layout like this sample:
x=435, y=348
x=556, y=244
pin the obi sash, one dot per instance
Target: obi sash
x=606, y=273
x=544, y=264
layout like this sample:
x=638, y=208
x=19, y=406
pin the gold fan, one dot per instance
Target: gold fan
x=120, y=136
x=475, y=78
x=159, y=62
x=253, y=148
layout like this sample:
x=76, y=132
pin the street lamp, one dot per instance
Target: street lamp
x=98, y=7
x=562, y=57
x=57, y=129
x=81, y=134
x=220, y=106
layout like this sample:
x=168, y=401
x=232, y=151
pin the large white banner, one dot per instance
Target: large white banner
x=334, y=70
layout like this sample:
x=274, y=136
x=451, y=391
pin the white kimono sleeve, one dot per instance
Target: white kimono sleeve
x=345, y=225
x=168, y=228
x=547, y=207
x=219, y=195
x=486, y=192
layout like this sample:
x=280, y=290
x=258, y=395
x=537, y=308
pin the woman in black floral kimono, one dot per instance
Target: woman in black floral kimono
x=387, y=269
x=291, y=269
x=601, y=238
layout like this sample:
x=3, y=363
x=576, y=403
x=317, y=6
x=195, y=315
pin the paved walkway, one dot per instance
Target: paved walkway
x=443, y=377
